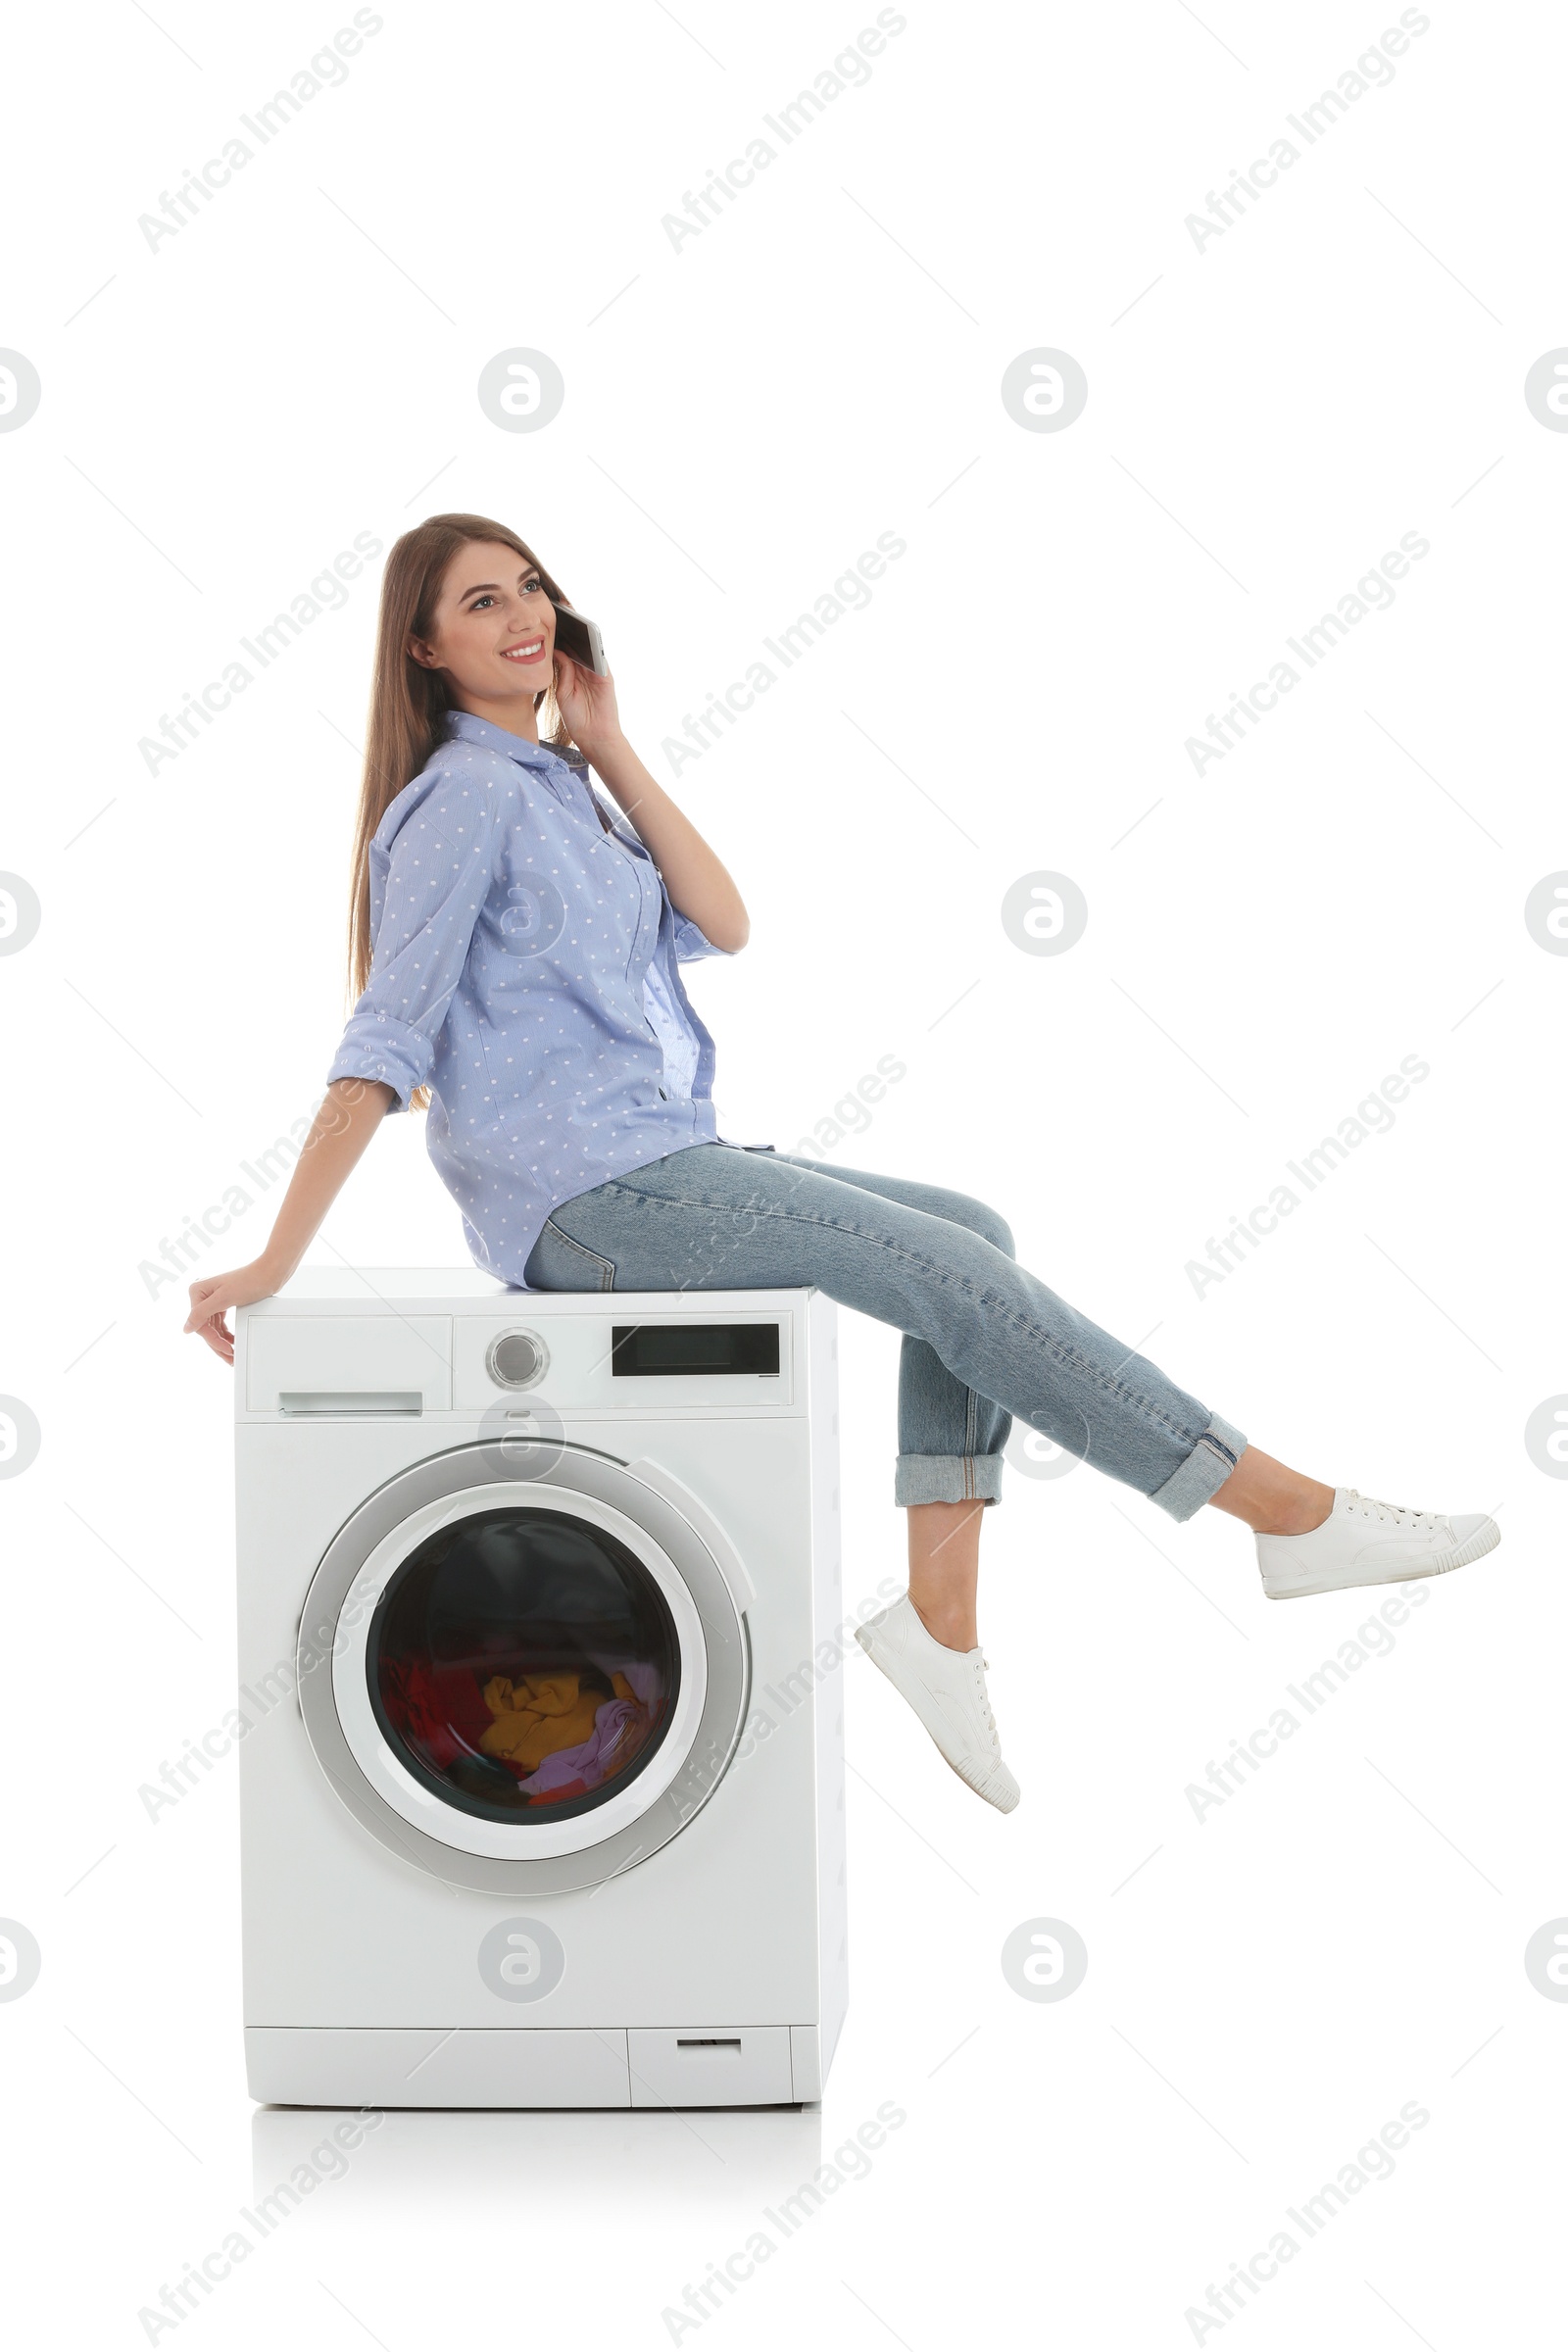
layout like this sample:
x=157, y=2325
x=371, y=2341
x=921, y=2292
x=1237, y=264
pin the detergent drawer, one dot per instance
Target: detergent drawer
x=710, y=2066
x=349, y=1364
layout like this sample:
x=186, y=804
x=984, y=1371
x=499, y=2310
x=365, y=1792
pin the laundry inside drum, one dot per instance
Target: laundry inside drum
x=523, y=1664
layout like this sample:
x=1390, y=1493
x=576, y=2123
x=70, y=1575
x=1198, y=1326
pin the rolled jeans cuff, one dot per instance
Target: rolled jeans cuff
x=1204, y=1471
x=948, y=1478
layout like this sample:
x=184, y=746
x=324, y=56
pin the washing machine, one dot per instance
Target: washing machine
x=541, y=1650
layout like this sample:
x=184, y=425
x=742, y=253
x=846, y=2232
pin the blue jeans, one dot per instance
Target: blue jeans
x=984, y=1341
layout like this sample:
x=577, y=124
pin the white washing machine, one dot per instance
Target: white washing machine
x=542, y=1794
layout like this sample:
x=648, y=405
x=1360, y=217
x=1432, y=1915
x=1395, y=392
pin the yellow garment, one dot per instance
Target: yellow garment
x=538, y=1715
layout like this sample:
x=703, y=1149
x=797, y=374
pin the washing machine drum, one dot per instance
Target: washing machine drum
x=524, y=1660
x=523, y=1667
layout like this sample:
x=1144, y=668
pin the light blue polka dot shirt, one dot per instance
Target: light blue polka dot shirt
x=527, y=969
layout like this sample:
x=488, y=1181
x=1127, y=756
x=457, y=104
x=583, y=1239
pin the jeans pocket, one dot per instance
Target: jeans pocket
x=557, y=1263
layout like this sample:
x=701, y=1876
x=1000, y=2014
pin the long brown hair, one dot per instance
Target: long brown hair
x=409, y=703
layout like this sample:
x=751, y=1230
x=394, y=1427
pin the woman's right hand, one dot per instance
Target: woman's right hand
x=210, y=1299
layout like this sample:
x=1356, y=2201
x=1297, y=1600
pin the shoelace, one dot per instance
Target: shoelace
x=1398, y=1512
x=984, y=1704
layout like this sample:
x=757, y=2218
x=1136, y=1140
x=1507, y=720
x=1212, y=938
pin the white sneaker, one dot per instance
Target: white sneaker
x=1363, y=1542
x=946, y=1688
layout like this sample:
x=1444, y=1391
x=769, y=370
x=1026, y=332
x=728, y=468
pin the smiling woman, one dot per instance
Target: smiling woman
x=516, y=949
x=473, y=609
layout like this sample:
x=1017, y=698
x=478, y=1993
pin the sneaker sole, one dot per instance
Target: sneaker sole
x=930, y=1717
x=1485, y=1539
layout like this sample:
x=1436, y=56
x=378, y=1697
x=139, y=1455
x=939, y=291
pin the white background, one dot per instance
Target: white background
x=1266, y=417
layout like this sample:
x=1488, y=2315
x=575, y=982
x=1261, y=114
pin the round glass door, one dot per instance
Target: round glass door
x=523, y=1665
x=524, y=1683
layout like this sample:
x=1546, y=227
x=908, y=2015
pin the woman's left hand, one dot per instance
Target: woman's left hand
x=587, y=703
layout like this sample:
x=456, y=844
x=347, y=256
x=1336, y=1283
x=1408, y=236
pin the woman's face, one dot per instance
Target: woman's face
x=494, y=633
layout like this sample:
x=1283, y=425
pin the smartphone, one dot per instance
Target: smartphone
x=578, y=638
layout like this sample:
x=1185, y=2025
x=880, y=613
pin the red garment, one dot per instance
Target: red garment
x=438, y=1710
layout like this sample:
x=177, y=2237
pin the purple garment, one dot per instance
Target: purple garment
x=644, y=1679
x=593, y=1758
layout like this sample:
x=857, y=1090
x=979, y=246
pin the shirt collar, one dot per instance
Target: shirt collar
x=552, y=763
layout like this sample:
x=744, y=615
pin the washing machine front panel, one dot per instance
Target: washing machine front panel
x=487, y=1627
x=466, y=1617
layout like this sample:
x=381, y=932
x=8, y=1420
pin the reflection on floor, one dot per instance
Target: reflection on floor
x=430, y=2159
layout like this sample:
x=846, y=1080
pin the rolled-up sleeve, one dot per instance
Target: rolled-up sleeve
x=691, y=943
x=427, y=890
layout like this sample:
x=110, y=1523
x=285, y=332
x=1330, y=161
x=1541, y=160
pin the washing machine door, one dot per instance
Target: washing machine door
x=523, y=1666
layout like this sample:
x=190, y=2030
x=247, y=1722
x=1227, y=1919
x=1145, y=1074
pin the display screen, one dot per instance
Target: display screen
x=645, y=1350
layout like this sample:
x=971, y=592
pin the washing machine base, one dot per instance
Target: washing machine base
x=534, y=2066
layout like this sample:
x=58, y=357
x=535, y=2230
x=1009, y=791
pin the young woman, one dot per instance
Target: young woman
x=516, y=956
